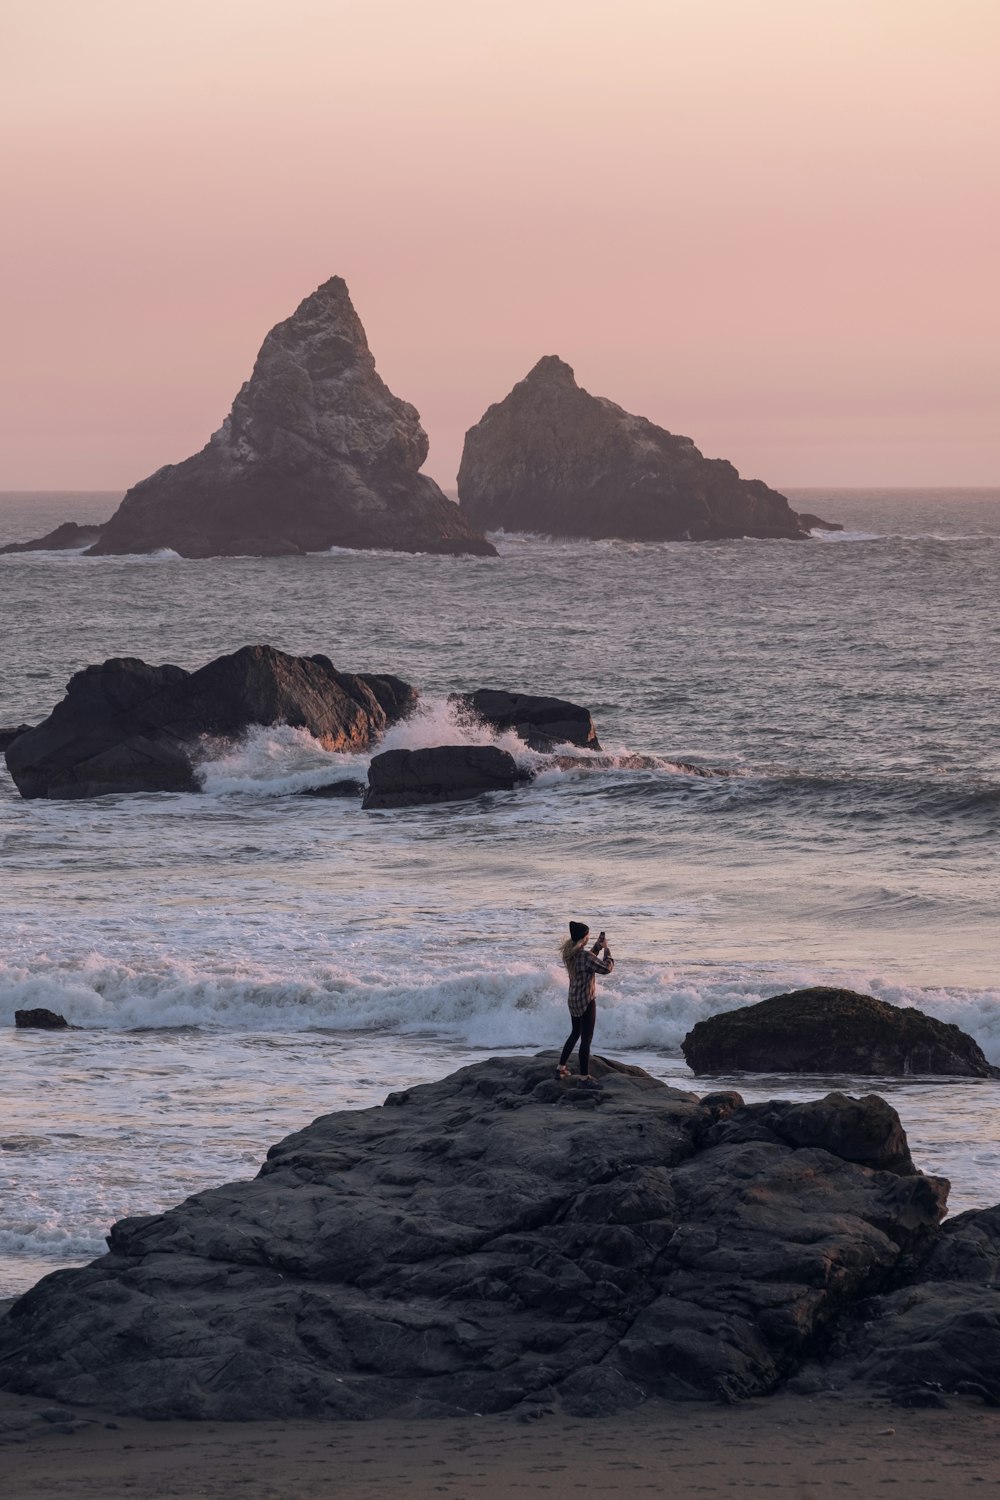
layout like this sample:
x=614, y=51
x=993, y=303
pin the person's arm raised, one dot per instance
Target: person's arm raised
x=601, y=965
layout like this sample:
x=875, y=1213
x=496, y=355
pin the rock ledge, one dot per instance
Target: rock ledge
x=495, y=1238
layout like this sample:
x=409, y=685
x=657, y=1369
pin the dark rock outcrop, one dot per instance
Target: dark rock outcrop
x=938, y=1334
x=552, y=458
x=540, y=721
x=317, y=452
x=826, y=1030
x=40, y=1020
x=816, y=523
x=125, y=726
x=442, y=773
x=498, y=1237
x=865, y=1130
x=11, y=732
x=65, y=538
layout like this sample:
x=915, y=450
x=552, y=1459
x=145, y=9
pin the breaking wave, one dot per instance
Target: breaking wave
x=479, y=1002
x=279, y=761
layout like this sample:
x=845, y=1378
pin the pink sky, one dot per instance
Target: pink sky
x=773, y=225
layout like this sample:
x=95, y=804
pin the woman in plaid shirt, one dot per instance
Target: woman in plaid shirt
x=583, y=965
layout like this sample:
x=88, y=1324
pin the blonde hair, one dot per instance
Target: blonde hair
x=569, y=947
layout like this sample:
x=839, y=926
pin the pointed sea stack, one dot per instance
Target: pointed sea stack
x=316, y=452
x=552, y=458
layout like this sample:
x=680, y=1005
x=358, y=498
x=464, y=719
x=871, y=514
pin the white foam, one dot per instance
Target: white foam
x=483, y=1000
x=277, y=760
x=915, y=536
x=822, y=535
x=80, y=554
x=274, y=761
x=52, y=1241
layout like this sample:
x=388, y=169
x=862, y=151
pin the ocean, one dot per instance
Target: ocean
x=241, y=961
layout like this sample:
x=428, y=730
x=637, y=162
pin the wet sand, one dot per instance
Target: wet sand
x=805, y=1448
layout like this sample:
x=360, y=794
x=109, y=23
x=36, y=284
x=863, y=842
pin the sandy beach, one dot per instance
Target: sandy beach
x=806, y=1448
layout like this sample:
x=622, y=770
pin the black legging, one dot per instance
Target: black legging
x=583, y=1031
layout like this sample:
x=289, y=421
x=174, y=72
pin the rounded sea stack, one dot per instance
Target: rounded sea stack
x=828, y=1030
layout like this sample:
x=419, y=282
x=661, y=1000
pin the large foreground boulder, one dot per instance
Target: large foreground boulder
x=541, y=722
x=552, y=458
x=827, y=1030
x=125, y=726
x=441, y=773
x=938, y=1334
x=497, y=1238
x=316, y=452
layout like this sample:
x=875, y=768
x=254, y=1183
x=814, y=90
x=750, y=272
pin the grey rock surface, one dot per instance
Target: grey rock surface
x=316, y=452
x=441, y=773
x=492, y=1239
x=542, y=722
x=552, y=458
x=829, y=1030
x=125, y=726
x=939, y=1334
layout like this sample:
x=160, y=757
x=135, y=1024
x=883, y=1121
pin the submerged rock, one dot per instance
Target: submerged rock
x=316, y=453
x=495, y=1238
x=541, y=722
x=126, y=726
x=348, y=786
x=65, y=538
x=40, y=1020
x=552, y=458
x=826, y=1030
x=441, y=773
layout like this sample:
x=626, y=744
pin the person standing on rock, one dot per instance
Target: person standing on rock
x=583, y=964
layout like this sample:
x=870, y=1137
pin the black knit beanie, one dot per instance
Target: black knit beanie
x=578, y=930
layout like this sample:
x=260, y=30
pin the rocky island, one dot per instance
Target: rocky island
x=552, y=458
x=503, y=1238
x=126, y=726
x=316, y=452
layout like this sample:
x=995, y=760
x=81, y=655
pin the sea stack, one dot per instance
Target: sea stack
x=552, y=458
x=316, y=452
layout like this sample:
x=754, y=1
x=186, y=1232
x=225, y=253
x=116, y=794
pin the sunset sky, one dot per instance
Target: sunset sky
x=773, y=225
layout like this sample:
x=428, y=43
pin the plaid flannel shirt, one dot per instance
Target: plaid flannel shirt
x=584, y=966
